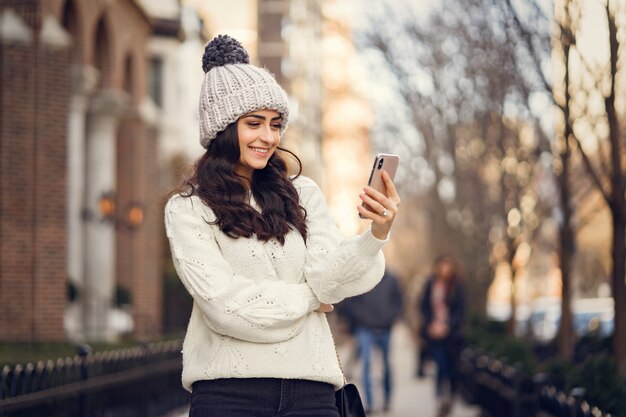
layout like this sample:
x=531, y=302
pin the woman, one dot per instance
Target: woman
x=261, y=256
x=443, y=307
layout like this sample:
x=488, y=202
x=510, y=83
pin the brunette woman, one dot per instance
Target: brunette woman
x=259, y=253
x=442, y=308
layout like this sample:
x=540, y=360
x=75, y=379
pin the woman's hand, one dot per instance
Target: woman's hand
x=438, y=330
x=325, y=308
x=381, y=208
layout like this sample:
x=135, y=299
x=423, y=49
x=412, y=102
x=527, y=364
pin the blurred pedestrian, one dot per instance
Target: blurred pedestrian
x=371, y=316
x=442, y=307
x=421, y=357
x=260, y=255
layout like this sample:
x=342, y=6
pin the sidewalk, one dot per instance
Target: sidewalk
x=412, y=397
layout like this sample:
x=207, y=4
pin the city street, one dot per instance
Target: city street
x=150, y=188
x=412, y=397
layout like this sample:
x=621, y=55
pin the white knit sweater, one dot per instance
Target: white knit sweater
x=254, y=302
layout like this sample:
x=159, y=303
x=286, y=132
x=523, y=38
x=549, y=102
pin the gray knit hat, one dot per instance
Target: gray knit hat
x=233, y=87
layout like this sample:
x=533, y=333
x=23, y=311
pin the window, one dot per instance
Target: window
x=156, y=80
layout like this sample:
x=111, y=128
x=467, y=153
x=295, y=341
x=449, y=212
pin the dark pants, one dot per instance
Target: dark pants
x=445, y=357
x=367, y=340
x=262, y=397
x=422, y=357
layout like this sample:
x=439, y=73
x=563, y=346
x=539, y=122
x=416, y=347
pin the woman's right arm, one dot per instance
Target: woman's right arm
x=336, y=268
x=232, y=305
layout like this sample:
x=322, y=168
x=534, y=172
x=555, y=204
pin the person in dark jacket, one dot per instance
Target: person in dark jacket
x=370, y=317
x=442, y=307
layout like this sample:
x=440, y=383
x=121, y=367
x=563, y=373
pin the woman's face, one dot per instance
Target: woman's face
x=444, y=270
x=259, y=135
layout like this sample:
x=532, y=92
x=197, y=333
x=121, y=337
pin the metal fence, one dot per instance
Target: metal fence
x=503, y=390
x=140, y=381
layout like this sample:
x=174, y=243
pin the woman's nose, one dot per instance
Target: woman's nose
x=266, y=135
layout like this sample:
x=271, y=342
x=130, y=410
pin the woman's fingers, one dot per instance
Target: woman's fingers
x=379, y=202
x=374, y=211
x=374, y=205
x=379, y=207
x=325, y=308
x=368, y=213
x=392, y=193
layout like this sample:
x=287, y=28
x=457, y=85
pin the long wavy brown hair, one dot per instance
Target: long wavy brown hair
x=456, y=279
x=215, y=181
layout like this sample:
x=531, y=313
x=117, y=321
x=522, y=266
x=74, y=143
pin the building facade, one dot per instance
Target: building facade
x=78, y=203
x=308, y=45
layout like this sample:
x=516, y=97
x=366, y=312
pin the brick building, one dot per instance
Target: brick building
x=78, y=174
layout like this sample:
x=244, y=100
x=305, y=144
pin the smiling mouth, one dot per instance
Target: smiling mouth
x=260, y=150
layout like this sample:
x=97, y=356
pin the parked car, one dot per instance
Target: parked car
x=593, y=316
x=544, y=318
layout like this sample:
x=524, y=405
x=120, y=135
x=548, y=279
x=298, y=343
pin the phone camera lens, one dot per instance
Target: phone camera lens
x=380, y=163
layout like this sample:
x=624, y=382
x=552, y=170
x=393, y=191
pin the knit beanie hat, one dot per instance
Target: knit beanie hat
x=233, y=87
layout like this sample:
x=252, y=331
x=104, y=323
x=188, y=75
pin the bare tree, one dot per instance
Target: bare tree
x=615, y=197
x=458, y=81
x=605, y=168
x=566, y=232
x=534, y=47
x=566, y=241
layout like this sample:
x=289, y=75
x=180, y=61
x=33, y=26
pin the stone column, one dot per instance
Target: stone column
x=105, y=110
x=84, y=81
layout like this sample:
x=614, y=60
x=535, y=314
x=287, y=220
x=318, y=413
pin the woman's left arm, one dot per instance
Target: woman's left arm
x=338, y=268
x=457, y=310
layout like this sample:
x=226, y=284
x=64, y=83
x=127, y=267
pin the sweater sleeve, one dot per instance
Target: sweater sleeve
x=337, y=268
x=232, y=305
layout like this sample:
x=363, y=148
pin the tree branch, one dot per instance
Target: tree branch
x=591, y=170
x=585, y=219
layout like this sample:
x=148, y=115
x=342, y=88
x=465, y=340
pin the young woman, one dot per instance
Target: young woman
x=260, y=255
x=443, y=308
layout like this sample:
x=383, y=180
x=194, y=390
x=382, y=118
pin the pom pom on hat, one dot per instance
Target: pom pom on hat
x=223, y=50
x=233, y=87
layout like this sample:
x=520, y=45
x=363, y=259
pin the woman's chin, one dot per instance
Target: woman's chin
x=258, y=163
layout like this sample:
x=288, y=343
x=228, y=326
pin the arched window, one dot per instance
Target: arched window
x=129, y=79
x=102, y=52
x=71, y=24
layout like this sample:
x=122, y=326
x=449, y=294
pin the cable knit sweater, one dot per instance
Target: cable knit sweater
x=254, y=302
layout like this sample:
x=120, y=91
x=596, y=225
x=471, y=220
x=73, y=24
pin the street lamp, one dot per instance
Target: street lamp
x=132, y=217
x=106, y=206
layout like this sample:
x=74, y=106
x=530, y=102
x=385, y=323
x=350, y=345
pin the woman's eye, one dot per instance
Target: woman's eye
x=277, y=126
x=253, y=124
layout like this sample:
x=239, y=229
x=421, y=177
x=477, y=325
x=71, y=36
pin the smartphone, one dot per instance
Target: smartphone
x=382, y=161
